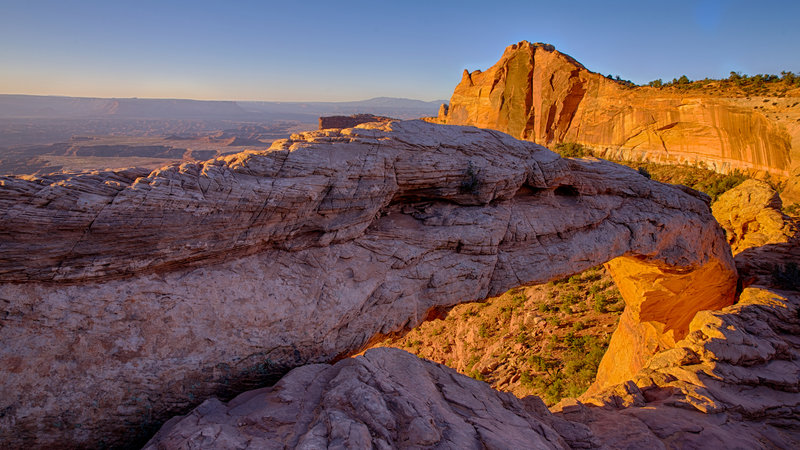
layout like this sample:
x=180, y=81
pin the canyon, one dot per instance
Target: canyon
x=155, y=290
x=537, y=93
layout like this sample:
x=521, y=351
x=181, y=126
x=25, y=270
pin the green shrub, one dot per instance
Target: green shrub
x=572, y=150
x=571, y=298
x=470, y=183
x=600, y=302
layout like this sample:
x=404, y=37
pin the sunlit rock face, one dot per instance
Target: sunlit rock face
x=539, y=94
x=751, y=216
x=131, y=296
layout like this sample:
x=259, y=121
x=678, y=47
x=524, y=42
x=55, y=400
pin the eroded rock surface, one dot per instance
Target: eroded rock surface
x=536, y=93
x=734, y=382
x=129, y=297
x=751, y=216
x=385, y=399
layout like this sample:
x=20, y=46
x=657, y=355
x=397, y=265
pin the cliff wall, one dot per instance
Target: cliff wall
x=536, y=93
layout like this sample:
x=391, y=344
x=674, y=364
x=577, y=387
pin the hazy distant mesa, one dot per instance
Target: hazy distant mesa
x=40, y=134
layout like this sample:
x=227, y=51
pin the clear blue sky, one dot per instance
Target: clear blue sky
x=352, y=50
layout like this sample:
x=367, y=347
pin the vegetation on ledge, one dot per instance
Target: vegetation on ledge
x=698, y=178
x=736, y=84
x=542, y=340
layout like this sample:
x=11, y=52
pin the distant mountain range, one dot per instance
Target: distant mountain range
x=53, y=107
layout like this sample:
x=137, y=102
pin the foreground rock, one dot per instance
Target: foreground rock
x=385, y=399
x=537, y=93
x=733, y=383
x=751, y=216
x=129, y=297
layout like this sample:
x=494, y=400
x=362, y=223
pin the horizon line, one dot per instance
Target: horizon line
x=222, y=100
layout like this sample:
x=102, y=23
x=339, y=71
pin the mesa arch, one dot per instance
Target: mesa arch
x=128, y=296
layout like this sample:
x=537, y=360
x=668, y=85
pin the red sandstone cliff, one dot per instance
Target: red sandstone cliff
x=539, y=94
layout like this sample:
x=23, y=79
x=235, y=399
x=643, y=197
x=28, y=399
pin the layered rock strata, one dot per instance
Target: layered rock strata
x=128, y=297
x=536, y=93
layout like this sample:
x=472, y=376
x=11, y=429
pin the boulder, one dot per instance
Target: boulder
x=751, y=216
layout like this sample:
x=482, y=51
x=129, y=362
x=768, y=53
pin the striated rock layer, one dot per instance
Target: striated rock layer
x=539, y=94
x=128, y=297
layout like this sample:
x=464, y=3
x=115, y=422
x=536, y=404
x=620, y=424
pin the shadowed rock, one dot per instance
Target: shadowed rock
x=327, y=122
x=128, y=296
x=385, y=399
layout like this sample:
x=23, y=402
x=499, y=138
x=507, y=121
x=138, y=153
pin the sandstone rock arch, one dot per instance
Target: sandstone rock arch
x=149, y=292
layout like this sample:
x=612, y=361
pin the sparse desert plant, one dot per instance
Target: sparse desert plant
x=792, y=210
x=572, y=150
x=571, y=298
x=470, y=183
x=518, y=300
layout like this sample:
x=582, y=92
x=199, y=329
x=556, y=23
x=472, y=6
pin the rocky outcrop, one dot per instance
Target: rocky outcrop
x=751, y=216
x=151, y=292
x=349, y=121
x=385, y=399
x=734, y=382
x=537, y=93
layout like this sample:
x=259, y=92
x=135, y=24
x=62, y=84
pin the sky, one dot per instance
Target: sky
x=354, y=50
